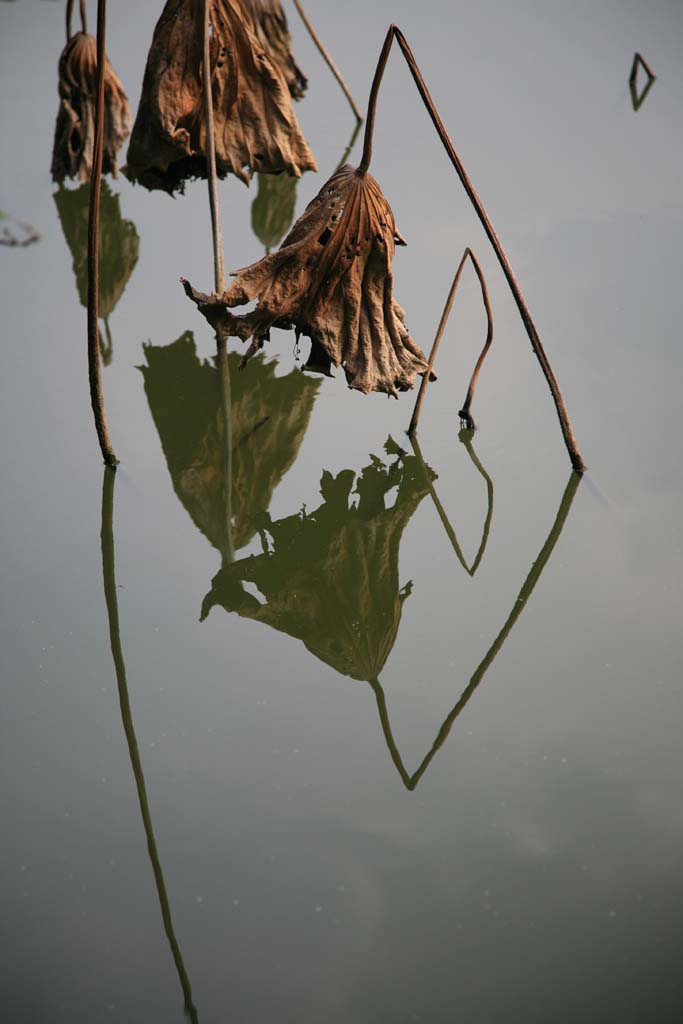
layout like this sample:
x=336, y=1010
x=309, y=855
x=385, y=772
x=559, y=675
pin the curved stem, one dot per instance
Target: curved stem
x=328, y=60
x=217, y=232
x=441, y=512
x=537, y=346
x=94, y=366
x=69, y=15
x=465, y=438
x=84, y=16
x=465, y=411
x=109, y=578
x=412, y=427
x=411, y=781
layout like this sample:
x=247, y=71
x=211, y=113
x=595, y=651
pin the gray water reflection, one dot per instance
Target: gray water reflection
x=111, y=598
x=411, y=781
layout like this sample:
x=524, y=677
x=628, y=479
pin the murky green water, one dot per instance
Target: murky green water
x=326, y=759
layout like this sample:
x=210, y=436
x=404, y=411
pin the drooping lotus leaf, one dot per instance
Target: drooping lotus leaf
x=330, y=578
x=255, y=126
x=119, y=243
x=75, y=129
x=271, y=23
x=332, y=280
x=269, y=416
x=272, y=211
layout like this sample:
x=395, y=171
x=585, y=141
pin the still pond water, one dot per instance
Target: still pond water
x=332, y=761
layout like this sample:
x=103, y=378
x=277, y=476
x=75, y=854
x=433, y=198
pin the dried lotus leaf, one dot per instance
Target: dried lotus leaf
x=75, y=129
x=270, y=21
x=255, y=126
x=331, y=280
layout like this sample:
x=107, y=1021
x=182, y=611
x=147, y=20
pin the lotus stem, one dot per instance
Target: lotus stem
x=328, y=60
x=94, y=365
x=110, y=596
x=536, y=344
x=465, y=411
x=223, y=367
x=411, y=781
x=212, y=177
x=639, y=59
x=412, y=427
x=636, y=99
x=441, y=512
x=69, y=15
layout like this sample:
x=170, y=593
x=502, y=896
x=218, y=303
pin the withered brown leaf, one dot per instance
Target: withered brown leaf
x=331, y=280
x=255, y=126
x=271, y=24
x=75, y=129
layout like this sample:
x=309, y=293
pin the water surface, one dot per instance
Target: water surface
x=397, y=737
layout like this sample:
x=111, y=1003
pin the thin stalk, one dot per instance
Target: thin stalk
x=411, y=781
x=638, y=99
x=639, y=59
x=328, y=60
x=537, y=346
x=110, y=595
x=465, y=411
x=441, y=512
x=412, y=427
x=84, y=16
x=216, y=230
x=228, y=553
x=69, y=15
x=94, y=366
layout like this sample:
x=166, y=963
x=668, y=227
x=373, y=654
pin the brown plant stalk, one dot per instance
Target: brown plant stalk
x=465, y=411
x=94, y=366
x=69, y=14
x=328, y=60
x=216, y=229
x=536, y=344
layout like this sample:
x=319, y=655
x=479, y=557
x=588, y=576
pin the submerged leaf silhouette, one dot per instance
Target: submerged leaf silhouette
x=119, y=243
x=271, y=23
x=330, y=577
x=255, y=126
x=272, y=211
x=270, y=415
x=75, y=129
x=331, y=280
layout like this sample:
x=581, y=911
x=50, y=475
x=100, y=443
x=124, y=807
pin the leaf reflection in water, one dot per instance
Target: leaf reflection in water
x=111, y=598
x=268, y=418
x=330, y=577
x=119, y=249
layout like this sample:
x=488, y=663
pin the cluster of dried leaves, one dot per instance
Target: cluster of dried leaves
x=255, y=126
x=331, y=280
x=75, y=129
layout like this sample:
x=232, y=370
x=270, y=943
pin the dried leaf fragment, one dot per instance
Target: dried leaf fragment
x=331, y=280
x=255, y=126
x=75, y=129
x=270, y=21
